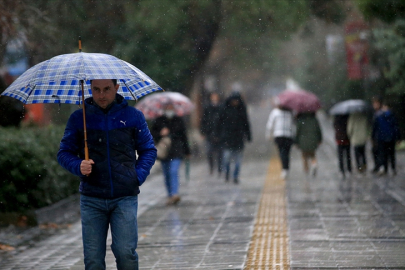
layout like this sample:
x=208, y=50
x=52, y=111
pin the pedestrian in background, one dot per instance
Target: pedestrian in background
x=233, y=129
x=281, y=127
x=343, y=144
x=209, y=122
x=386, y=131
x=377, y=104
x=308, y=138
x=172, y=126
x=358, y=131
x=110, y=180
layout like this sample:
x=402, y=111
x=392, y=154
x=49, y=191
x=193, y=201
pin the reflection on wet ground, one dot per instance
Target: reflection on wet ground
x=356, y=223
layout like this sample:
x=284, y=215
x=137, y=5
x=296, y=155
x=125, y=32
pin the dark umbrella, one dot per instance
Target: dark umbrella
x=350, y=106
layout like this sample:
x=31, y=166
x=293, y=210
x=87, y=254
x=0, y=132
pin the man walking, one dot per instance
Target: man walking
x=234, y=130
x=387, y=134
x=208, y=129
x=121, y=152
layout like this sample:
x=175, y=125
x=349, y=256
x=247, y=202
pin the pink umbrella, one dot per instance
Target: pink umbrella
x=154, y=105
x=300, y=101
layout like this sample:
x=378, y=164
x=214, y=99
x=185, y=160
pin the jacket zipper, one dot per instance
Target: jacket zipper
x=108, y=155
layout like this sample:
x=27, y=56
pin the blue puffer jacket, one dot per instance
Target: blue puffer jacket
x=386, y=128
x=113, y=140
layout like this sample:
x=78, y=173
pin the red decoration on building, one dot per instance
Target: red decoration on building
x=356, y=49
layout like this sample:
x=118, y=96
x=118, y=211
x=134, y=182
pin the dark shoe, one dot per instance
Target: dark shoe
x=175, y=199
x=227, y=177
x=236, y=181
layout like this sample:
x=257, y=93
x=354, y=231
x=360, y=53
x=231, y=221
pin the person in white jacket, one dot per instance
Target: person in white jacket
x=359, y=130
x=281, y=127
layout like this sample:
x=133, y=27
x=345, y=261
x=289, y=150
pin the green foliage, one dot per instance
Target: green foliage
x=385, y=10
x=30, y=174
x=252, y=19
x=169, y=40
x=254, y=29
x=391, y=43
x=328, y=10
x=55, y=26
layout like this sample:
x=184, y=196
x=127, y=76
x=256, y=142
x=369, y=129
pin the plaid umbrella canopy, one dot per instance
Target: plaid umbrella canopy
x=62, y=79
x=154, y=105
x=58, y=80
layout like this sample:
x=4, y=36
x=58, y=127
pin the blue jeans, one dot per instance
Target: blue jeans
x=171, y=174
x=97, y=215
x=214, y=154
x=230, y=156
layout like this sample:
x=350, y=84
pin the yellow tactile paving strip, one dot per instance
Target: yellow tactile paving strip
x=269, y=245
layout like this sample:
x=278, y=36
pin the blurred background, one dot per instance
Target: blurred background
x=337, y=49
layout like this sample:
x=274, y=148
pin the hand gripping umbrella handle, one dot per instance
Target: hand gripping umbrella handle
x=86, y=149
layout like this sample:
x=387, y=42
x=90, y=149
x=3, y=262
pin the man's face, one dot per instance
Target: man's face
x=103, y=92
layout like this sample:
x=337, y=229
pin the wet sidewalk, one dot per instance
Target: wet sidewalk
x=209, y=229
x=357, y=223
x=352, y=223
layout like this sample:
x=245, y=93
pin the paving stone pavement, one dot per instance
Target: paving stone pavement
x=357, y=223
x=209, y=229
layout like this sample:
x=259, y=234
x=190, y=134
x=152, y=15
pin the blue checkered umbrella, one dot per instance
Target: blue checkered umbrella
x=57, y=80
x=66, y=79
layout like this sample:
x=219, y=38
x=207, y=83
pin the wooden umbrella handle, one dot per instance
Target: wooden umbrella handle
x=86, y=149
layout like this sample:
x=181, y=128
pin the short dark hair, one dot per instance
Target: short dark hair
x=113, y=80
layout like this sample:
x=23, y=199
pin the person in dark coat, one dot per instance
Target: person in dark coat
x=308, y=138
x=343, y=143
x=386, y=133
x=121, y=155
x=173, y=126
x=208, y=124
x=234, y=130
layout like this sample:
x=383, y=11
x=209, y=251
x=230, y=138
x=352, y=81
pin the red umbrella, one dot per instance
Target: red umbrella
x=154, y=105
x=300, y=101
